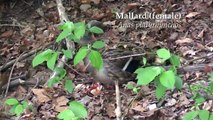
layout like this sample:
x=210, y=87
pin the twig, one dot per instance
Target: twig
x=11, y=72
x=10, y=63
x=126, y=56
x=18, y=82
x=117, y=93
x=118, y=101
x=75, y=71
x=202, y=57
x=10, y=25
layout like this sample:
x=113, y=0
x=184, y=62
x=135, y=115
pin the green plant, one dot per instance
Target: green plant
x=17, y=107
x=74, y=32
x=163, y=79
x=199, y=99
x=202, y=114
x=75, y=111
x=134, y=88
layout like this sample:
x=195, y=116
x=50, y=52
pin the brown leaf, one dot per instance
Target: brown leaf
x=131, y=6
x=200, y=35
x=139, y=108
x=85, y=1
x=41, y=95
x=207, y=69
x=6, y=34
x=20, y=65
x=97, y=91
x=183, y=100
x=96, y=1
x=61, y=104
x=184, y=40
x=192, y=14
x=110, y=110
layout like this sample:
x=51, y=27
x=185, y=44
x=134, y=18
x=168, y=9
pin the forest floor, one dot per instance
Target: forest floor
x=27, y=26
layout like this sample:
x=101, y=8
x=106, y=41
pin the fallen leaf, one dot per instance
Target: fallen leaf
x=139, y=108
x=85, y=1
x=207, y=69
x=184, y=40
x=200, y=35
x=6, y=34
x=170, y=102
x=96, y=1
x=61, y=104
x=97, y=91
x=110, y=110
x=192, y=14
x=40, y=93
x=183, y=100
x=20, y=65
x=208, y=105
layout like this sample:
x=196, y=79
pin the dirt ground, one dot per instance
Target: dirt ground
x=28, y=26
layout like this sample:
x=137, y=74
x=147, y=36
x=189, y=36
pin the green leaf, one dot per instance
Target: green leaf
x=40, y=58
x=63, y=35
x=73, y=37
x=53, y=81
x=61, y=72
x=135, y=90
x=19, y=109
x=178, y=82
x=204, y=115
x=67, y=26
x=211, y=86
x=96, y=30
x=52, y=60
x=69, y=86
x=11, y=101
x=167, y=79
x=211, y=76
x=12, y=110
x=24, y=104
x=78, y=109
x=211, y=117
x=67, y=53
x=98, y=44
x=130, y=86
x=96, y=59
x=79, y=30
x=175, y=60
x=163, y=54
x=80, y=55
x=66, y=115
x=190, y=115
x=160, y=91
x=199, y=99
x=148, y=74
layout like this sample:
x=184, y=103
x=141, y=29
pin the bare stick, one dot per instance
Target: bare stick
x=117, y=93
x=24, y=56
x=11, y=72
x=126, y=56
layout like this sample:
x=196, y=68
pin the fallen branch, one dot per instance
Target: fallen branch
x=24, y=56
x=11, y=72
x=193, y=68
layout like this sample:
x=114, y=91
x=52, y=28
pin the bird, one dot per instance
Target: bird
x=112, y=70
